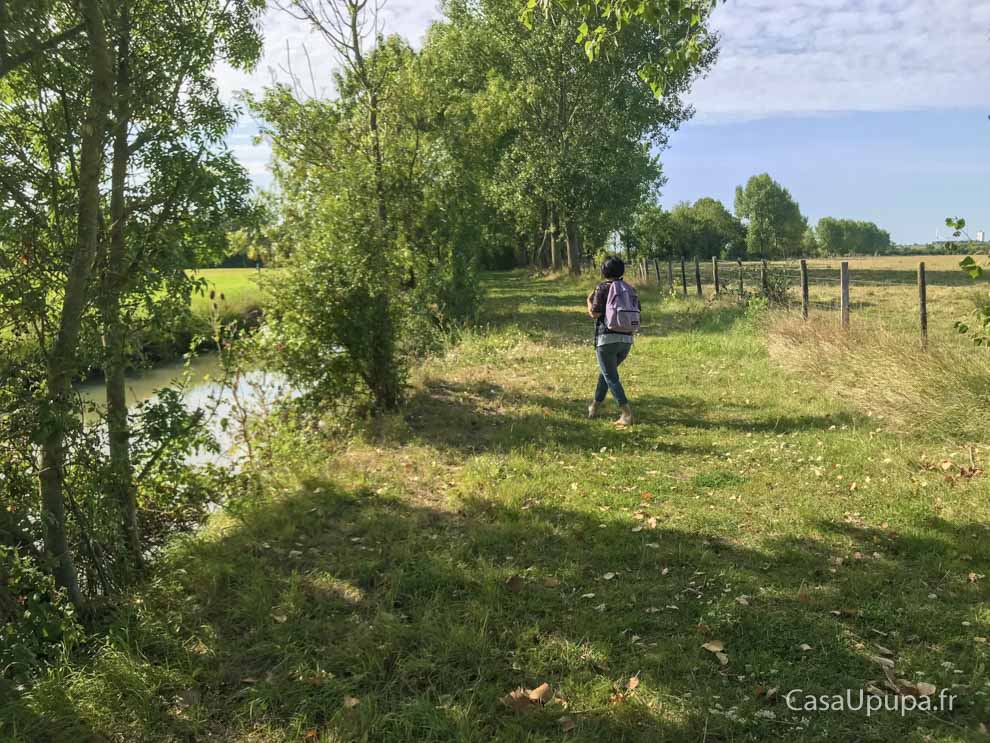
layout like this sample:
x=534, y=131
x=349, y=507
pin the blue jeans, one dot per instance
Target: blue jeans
x=609, y=357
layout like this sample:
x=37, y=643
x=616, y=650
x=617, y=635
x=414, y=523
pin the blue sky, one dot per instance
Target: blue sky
x=863, y=109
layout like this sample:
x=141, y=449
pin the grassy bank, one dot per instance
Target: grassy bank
x=242, y=297
x=401, y=586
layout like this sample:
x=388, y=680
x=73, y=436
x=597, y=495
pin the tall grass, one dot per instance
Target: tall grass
x=943, y=391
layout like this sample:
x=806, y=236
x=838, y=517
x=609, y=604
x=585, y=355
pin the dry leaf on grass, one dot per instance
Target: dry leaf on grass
x=633, y=682
x=723, y=659
x=551, y=582
x=351, y=702
x=715, y=646
x=805, y=647
x=608, y=576
x=523, y=700
x=280, y=618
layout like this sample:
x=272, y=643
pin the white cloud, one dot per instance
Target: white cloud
x=778, y=58
x=781, y=57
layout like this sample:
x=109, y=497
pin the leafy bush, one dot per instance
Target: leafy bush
x=36, y=621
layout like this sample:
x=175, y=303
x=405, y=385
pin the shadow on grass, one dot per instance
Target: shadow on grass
x=329, y=595
x=485, y=417
x=20, y=722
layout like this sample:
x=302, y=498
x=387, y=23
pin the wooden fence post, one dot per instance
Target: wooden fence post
x=923, y=303
x=764, y=278
x=844, y=281
x=742, y=288
x=697, y=274
x=804, y=289
x=683, y=277
x=718, y=287
x=656, y=266
x=670, y=274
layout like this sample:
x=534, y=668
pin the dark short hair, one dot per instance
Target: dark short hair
x=613, y=268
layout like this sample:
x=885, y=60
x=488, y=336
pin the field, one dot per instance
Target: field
x=241, y=293
x=883, y=290
x=239, y=286
x=750, y=536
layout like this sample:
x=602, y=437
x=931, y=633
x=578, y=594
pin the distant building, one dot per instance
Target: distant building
x=981, y=236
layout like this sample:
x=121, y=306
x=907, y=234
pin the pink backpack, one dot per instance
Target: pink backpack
x=622, y=308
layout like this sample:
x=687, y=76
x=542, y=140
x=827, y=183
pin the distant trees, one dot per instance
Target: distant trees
x=775, y=226
x=849, y=237
x=707, y=229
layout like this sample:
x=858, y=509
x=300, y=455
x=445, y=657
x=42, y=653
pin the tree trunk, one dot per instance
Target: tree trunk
x=573, y=248
x=555, y=257
x=62, y=360
x=114, y=332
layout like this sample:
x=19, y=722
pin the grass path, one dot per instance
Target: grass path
x=491, y=537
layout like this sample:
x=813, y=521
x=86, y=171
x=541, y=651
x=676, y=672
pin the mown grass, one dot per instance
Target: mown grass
x=395, y=587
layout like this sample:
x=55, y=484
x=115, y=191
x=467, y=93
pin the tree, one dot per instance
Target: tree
x=707, y=229
x=654, y=231
x=123, y=84
x=775, y=224
x=603, y=25
x=849, y=237
x=167, y=115
x=574, y=140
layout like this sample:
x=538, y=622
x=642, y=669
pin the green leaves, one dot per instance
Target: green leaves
x=971, y=267
x=679, y=23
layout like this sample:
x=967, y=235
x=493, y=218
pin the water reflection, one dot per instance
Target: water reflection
x=203, y=389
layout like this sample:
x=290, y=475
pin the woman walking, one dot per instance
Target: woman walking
x=615, y=308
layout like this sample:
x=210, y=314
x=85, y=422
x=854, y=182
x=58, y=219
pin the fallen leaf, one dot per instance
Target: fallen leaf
x=541, y=694
x=551, y=582
x=925, y=689
x=608, y=576
x=723, y=659
x=633, y=682
x=805, y=647
x=351, y=702
x=715, y=646
x=280, y=618
x=517, y=700
x=744, y=600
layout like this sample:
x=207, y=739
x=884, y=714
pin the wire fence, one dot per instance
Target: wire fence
x=897, y=295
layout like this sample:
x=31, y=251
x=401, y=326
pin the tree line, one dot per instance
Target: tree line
x=767, y=224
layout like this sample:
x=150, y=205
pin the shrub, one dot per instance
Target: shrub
x=36, y=621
